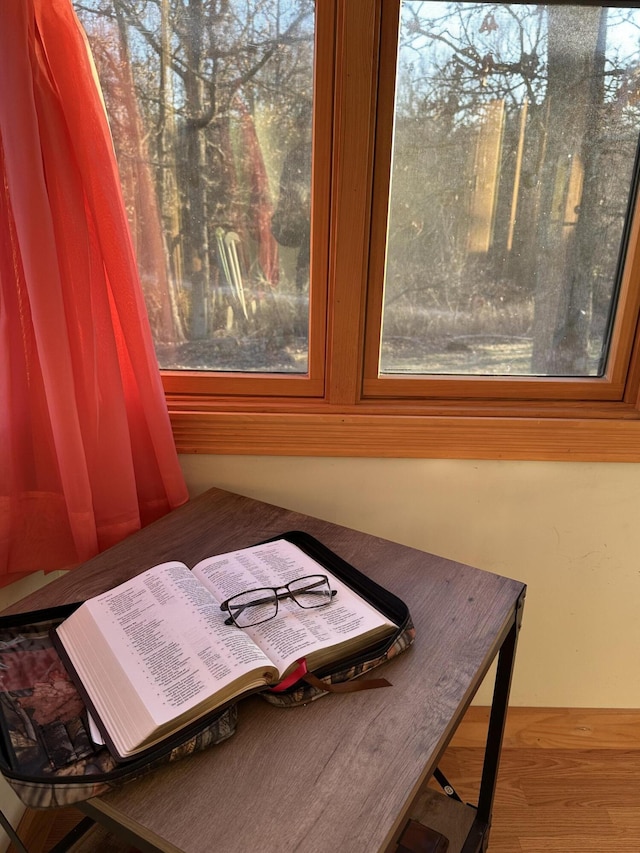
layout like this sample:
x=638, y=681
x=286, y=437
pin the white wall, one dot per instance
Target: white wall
x=571, y=531
x=568, y=530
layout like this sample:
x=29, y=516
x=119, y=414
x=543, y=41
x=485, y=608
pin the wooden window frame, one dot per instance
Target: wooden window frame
x=341, y=407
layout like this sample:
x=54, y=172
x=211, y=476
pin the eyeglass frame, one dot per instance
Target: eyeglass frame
x=278, y=597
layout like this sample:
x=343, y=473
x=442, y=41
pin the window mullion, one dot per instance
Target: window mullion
x=358, y=26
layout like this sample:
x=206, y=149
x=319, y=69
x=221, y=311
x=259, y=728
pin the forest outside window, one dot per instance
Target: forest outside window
x=211, y=107
x=381, y=227
x=519, y=209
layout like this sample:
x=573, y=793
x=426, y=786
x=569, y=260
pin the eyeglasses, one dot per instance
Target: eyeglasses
x=259, y=605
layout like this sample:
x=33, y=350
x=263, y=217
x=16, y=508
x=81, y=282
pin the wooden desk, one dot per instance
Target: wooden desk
x=345, y=772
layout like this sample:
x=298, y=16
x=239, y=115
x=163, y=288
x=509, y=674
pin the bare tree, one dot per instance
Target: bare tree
x=200, y=66
x=538, y=88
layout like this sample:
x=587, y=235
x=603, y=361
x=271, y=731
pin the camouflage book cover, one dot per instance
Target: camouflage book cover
x=43, y=718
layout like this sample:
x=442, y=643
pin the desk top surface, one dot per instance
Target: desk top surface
x=341, y=772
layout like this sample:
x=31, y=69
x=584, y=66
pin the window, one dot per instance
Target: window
x=456, y=275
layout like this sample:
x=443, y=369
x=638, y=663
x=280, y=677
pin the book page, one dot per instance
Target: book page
x=294, y=632
x=169, y=636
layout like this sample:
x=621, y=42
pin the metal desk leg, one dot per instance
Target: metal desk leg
x=478, y=838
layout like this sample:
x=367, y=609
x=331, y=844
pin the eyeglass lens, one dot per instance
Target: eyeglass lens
x=260, y=605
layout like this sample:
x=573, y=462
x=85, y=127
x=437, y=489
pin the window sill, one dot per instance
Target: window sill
x=575, y=432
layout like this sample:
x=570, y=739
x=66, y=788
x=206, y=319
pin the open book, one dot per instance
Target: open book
x=155, y=653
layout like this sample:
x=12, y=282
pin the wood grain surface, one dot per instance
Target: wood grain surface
x=553, y=761
x=342, y=772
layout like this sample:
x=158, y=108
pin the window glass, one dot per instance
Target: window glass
x=513, y=170
x=210, y=105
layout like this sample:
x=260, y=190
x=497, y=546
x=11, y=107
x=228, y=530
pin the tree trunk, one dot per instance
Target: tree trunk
x=166, y=183
x=567, y=223
x=194, y=159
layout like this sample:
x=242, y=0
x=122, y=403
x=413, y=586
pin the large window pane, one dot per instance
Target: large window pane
x=210, y=105
x=516, y=130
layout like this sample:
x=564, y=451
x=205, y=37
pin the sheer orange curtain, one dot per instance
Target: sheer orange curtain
x=86, y=450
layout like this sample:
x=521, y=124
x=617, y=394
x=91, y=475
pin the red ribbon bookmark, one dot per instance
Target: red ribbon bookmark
x=301, y=672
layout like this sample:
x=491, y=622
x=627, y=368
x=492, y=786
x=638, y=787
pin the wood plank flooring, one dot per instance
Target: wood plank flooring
x=566, y=800
x=40, y=831
x=569, y=782
x=569, y=779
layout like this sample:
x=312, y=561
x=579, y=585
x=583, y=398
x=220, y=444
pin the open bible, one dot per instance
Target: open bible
x=157, y=652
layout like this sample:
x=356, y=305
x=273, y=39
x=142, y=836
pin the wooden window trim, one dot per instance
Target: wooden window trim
x=339, y=413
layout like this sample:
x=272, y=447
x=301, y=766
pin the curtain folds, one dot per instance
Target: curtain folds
x=86, y=450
